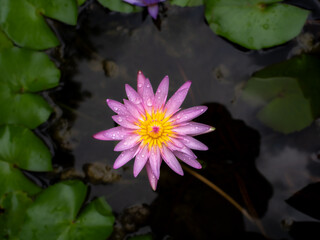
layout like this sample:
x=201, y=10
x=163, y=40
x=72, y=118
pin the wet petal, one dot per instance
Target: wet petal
x=132, y=109
x=127, y=143
x=125, y=157
x=140, y=83
x=117, y=107
x=193, y=128
x=186, y=85
x=153, y=10
x=171, y=160
x=148, y=96
x=155, y=161
x=133, y=96
x=175, y=101
x=125, y=121
x=188, y=159
x=140, y=160
x=193, y=143
x=152, y=178
x=161, y=93
x=116, y=133
x=183, y=149
x=188, y=114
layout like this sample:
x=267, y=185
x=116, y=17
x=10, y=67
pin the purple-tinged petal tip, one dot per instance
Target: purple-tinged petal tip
x=152, y=178
x=125, y=157
x=153, y=10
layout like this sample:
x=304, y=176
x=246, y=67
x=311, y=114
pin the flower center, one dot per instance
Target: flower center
x=155, y=129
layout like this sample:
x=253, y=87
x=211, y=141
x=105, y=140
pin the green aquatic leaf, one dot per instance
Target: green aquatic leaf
x=15, y=205
x=4, y=41
x=187, y=3
x=23, y=73
x=255, y=24
x=24, y=23
x=19, y=146
x=120, y=6
x=287, y=93
x=12, y=179
x=54, y=214
x=80, y=2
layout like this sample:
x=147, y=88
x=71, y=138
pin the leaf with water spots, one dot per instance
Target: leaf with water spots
x=55, y=214
x=23, y=73
x=255, y=24
x=25, y=25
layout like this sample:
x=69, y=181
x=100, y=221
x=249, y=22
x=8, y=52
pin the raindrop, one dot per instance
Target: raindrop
x=149, y=102
x=115, y=108
x=142, y=155
x=159, y=91
x=139, y=85
x=148, y=85
x=120, y=119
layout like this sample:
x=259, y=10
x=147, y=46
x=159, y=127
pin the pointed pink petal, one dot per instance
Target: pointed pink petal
x=188, y=114
x=161, y=93
x=176, y=100
x=140, y=160
x=186, y=85
x=125, y=157
x=171, y=160
x=193, y=128
x=188, y=159
x=133, y=96
x=155, y=161
x=127, y=143
x=153, y=11
x=184, y=149
x=116, y=133
x=193, y=143
x=148, y=96
x=177, y=143
x=132, y=109
x=117, y=107
x=140, y=85
x=125, y=121
x=152, y=178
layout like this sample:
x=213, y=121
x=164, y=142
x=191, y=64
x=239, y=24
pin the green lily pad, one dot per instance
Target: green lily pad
x=15, y=205
x=24, y=72
x=255, y=24
x=19, y=146
x=287, y=94
x=54, y=214
x=80, y=2
x=24, y=23
x=119, y=6
x=4, y=41
x=187, y=3
x=12, y=179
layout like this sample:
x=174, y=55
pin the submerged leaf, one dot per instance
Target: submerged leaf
x=24, y=72
x=24, y=23
x=307, y=200
x=54, y=215
x=288, y=93
x=255, y=24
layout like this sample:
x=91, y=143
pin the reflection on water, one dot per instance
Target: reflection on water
x=259, y=168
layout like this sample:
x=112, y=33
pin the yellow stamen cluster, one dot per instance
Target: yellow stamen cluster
x=155, y=129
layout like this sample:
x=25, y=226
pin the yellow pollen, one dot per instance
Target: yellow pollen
x=155, y=129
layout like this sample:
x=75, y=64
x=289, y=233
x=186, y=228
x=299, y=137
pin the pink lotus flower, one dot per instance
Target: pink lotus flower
x=152, y=5
x=151, y=129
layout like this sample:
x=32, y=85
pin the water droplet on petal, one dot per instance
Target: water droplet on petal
x=149, y=102
x=120, y=119
x=139, y=85
x=142, y=155
x=148, y=85
x=115, y=108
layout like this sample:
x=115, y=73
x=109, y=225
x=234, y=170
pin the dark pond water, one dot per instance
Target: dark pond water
x=257, y=166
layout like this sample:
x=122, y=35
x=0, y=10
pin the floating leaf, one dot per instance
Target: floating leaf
x=54, y=215
x=187, y=3
x=255, y=24
x=4, y=41
x=15, y=205
x=307, y=200
x=80, y=2
x=12, y=179
x=24, y=72
x=119, y=6
x=288, y=94
x=19, y=146
x=23, y=22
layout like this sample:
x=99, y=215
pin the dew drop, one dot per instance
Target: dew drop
x=149, y=102
x=148, y=85
x=115, y=108
x=142, y=155
x=120, y=119
x=139, y=85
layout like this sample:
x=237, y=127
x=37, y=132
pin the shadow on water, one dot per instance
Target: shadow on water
x=256, y=166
